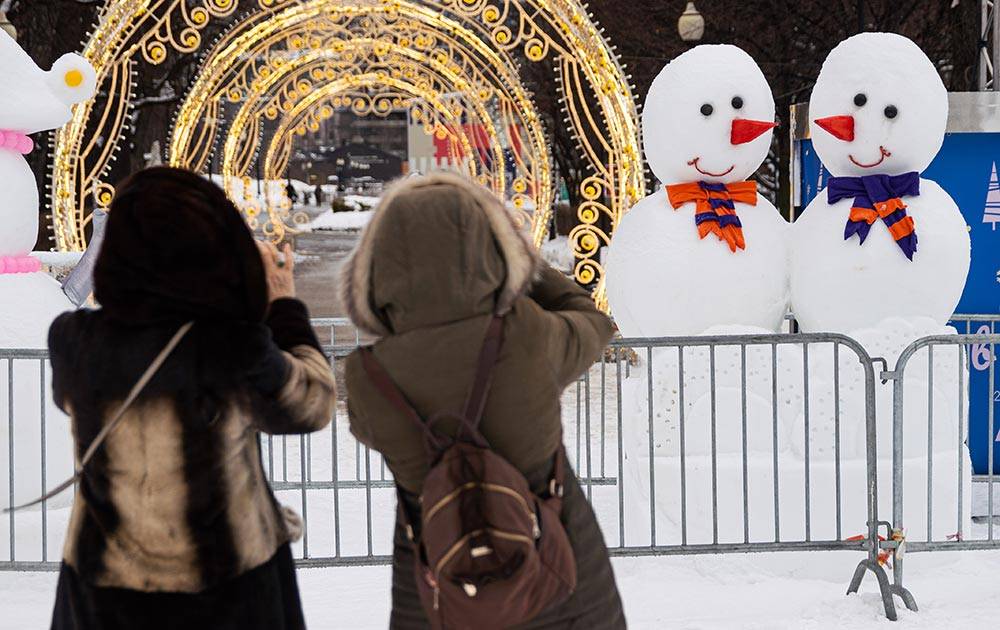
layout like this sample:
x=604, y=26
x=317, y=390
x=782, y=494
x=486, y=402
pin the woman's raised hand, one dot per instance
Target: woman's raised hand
x=278, y=268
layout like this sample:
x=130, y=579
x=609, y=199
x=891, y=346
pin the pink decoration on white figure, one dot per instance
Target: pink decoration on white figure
x=19, y=264
x=35, y=100
x=16, y=141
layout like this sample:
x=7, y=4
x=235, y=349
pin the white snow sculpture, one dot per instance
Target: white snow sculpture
x=879, y=241
x=878, y=100
x=31, y=100
x=693, y=255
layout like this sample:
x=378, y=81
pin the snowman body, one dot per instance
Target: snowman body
x=841, y=286
x=707, y=119
x=18, y=226
x=665, y=280
x=879, y=108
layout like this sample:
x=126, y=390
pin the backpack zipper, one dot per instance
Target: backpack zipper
x=455, y=548
x=492, y=487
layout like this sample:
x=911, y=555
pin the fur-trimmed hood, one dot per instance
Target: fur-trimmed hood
x=438, y=249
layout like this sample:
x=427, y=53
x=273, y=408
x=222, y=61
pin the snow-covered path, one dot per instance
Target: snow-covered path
x=956, y=590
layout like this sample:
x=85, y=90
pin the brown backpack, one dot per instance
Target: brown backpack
x=490, y=553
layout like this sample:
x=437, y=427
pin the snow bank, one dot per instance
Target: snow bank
x=780, y=402
x=957, y=591
x=339, y=221
x=558, y=252
x=39, y=299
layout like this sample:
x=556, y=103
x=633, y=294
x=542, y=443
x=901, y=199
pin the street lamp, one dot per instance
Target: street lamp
x=7, y=26
x=691, y=24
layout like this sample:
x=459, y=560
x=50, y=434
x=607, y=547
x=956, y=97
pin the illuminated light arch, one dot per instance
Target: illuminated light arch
x=279, y=53
x=599, y=106
x=279, y=148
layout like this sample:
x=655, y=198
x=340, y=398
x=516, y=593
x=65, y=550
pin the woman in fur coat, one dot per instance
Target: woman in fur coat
x=174, y=524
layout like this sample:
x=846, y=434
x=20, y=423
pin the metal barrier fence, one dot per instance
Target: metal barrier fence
x=683, y=446
x=942, y=448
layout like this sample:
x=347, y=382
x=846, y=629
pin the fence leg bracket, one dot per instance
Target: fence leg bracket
x=906, y=596
x=883, y=586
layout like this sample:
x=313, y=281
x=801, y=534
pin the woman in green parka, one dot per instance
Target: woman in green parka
x=439, y=257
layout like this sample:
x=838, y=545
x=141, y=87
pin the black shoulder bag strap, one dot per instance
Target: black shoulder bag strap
x=109, y=428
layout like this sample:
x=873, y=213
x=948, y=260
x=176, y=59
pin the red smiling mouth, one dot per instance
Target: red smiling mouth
x=694, y=163
x=883, y=154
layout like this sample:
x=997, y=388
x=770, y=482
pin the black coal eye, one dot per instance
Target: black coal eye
x=891, y=111
x=737, y=102
x=860, y=100
x=706, y=110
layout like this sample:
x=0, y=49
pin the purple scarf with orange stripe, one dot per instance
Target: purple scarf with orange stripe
x=879, y=197
x=715, y=208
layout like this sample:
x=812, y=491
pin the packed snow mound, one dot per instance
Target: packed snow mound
x=38, y=300
x=558, y=252
x=663, y=280
x=719, y=404
x=341, y=221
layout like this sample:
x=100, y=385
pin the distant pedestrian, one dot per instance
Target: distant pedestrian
x=293, y=195
x=318, y=193
x=174, y=524
x=439, y=265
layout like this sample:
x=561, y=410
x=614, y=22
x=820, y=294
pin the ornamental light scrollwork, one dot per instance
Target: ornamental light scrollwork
x=460, y=55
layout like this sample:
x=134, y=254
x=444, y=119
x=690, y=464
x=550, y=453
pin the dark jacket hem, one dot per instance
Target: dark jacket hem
x=263, y=598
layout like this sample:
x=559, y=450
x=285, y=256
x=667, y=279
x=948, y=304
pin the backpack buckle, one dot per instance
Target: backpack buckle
x=481, y=551
x=555, y=489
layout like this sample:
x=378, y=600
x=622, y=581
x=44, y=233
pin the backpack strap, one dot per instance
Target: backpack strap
x=488, y=356
x=388, y=388
x=557, y=483
x=468, y=422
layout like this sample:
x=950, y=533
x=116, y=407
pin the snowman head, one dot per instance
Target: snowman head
x=34, y=100
x=708, y=117
x=879, y=107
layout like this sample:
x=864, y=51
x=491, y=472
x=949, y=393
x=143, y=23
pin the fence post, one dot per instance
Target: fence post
x=871, y=563
x=893, y=543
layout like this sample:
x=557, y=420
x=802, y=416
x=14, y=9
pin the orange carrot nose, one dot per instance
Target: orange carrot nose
x=747, y=130
x=840, y=127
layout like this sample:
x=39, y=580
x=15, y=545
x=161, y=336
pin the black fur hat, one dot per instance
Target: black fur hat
x=177, y=249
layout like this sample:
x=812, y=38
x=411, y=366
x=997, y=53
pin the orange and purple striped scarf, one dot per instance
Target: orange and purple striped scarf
x=878, y=197
x=715, y=209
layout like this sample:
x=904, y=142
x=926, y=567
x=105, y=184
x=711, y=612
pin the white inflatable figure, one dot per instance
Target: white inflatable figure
x=879, y=241
x=32, y=100
x=706, y=250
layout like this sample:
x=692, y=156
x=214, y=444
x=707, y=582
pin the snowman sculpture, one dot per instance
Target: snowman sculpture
x=882, y=255
x=879, y=241
x=705, y=250
x=32, y=100
x=704, y=254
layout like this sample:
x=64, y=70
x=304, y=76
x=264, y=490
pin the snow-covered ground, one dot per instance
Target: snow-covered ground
x=957, y=591
x=340, y=221
x=761, y=591
x=559, y=253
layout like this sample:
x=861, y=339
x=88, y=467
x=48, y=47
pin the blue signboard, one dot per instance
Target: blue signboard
x=966, y=167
